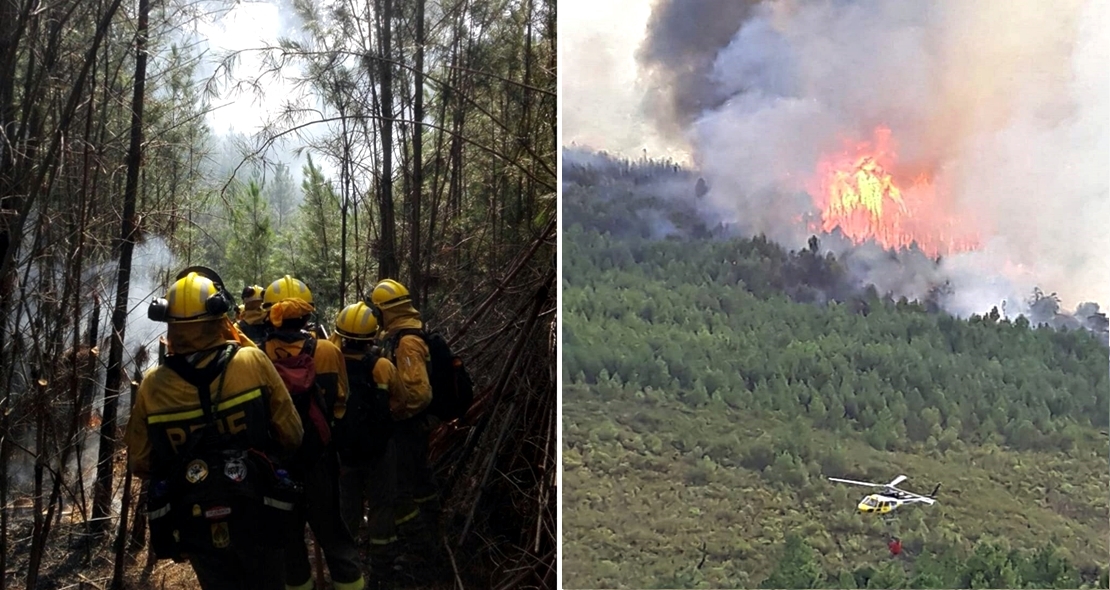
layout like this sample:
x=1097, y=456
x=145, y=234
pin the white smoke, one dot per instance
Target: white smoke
x=151, y=265
x=601, y=92
x=1006, y=101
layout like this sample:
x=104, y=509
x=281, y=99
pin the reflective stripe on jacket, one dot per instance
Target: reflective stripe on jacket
x=253, y=405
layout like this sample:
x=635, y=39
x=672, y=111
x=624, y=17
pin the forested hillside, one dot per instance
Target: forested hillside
x=419, y=145
x=712, y=384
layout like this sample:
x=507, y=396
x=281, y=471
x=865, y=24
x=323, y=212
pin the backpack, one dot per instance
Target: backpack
x=256, y=332
x=452, y=388
x=216, y=492
x=363, y=433
x=298, y=372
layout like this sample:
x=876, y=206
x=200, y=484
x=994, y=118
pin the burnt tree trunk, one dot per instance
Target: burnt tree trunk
x=37, y=536
x=5, y=461
x=125, y=507
x=102, y=497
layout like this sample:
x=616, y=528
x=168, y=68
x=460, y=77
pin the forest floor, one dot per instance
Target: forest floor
x=74, y=563
x=76, y=559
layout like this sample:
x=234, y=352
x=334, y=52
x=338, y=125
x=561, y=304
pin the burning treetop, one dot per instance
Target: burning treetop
x=858, y=192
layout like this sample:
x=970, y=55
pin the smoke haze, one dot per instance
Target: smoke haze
x=1003, y=102
x=601, y=91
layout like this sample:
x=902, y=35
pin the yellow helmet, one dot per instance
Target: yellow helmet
x=252, y=293
x=389, y=293
x=286, y=288
x=192, y=298
x=357, y=322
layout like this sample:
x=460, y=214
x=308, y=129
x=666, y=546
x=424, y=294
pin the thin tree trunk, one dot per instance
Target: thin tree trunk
x=416, y=280
x=125, y=507
x=436, y=191
x=346, y=172
x=121, y=533
x=5, y=461
x=458, y=121
x=103, y=493
x=138, y=529
x=525, y=207
x=52, y=508
x=387, y=252
x=37, y=540
x=84, y=406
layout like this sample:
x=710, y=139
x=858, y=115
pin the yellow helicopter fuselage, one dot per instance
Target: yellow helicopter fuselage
x=878, y=504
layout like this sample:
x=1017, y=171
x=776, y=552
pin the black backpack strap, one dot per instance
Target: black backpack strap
x=202, y=379
x=309, y=346
x=309, y=341
x=368, y=361
x=206, y=400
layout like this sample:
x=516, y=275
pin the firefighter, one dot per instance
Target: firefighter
x=368, y=476
x=288, y=304
x=254, y=409
x=418, y=508
x=237, y=334
x=252, y=320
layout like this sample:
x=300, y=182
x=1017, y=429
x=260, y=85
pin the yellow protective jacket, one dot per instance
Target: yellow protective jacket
x=253, y=405
x=331, y=368
x=410, y=391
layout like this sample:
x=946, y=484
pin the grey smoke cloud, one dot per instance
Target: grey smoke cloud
x=1004, y=102
x=678, y=54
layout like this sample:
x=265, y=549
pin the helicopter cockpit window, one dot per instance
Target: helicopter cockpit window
x=870, y=502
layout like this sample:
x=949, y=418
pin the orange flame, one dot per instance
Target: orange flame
x=857, y=192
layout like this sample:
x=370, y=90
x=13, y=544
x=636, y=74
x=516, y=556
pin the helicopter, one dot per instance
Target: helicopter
x=890, y=497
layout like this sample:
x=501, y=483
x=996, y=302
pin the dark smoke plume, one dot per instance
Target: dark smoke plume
x=677, y=56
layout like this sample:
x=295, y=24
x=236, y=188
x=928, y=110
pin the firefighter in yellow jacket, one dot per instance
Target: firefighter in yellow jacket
x=417, y=508
x=368, y=457
x=251, y=409
x=289, y=307
x=252, y=319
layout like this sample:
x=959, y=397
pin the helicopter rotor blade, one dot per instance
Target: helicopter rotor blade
x=858, y=483
x=897, y=480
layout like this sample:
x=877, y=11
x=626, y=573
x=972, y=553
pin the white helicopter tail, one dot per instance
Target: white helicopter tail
x=933, y=495
x=930, y=499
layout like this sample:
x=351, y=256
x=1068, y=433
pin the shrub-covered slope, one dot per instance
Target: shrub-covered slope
x=712, y=385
